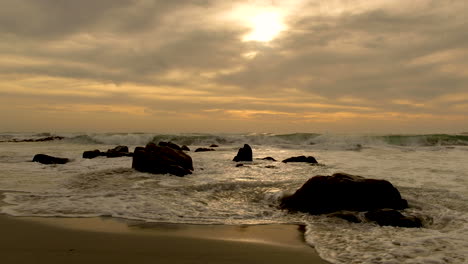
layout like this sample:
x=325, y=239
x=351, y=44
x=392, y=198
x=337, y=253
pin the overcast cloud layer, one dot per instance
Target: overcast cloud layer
x=182, y=66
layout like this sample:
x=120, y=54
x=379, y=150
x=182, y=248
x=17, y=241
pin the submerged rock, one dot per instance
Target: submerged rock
x=46, y=159
x=213, y=146
x=305, y=159
x=269, y=158
x=162, y=160
x=244, y=154
x=204, y=149
x=327, y=194
x=390, y=217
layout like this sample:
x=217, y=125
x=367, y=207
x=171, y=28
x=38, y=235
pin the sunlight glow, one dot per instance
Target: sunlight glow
x=265, y=27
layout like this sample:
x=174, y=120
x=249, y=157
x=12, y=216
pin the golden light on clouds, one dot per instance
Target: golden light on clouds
x=265, y=26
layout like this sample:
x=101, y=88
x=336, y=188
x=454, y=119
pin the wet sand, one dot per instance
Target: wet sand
x=109, y=240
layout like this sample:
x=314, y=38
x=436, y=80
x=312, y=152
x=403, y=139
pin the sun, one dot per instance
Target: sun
x=265, y=27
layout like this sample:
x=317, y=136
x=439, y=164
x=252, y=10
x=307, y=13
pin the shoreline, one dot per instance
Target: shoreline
x=109, y=240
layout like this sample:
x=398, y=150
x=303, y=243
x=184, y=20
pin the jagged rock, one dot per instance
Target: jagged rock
x=244, y=154
x=46, y=159
x=269, y=158
x=169, y=144
x=91, y=154
x=162, y=160
x=213, y=146
x=309, y=159
x=327, y=194
x=390, y=217
x=204, y=149
x=185, y=148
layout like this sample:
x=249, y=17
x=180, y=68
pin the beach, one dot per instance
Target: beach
x=99, y=240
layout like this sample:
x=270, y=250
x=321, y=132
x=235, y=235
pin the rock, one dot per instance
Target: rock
x=91, y=154
x=327, y=194
x=119, y=151
x=162, y=160
x=46, y=159
x=240, y=165
x=269, y=158
x=213, y=146
x=309, y=159
x=185, y=148
x=390, y=217
x=49, y=138
x=244, y=154
x=204, y=149
x=169, y=144
x=270, y=167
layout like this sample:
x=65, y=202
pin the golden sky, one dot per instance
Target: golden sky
x=367, y=66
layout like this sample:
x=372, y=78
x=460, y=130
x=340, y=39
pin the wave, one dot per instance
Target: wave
x=339, y=141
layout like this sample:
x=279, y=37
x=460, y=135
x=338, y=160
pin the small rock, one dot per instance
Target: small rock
x=46, y=159
x=91, y=154
x=204, y=149
x=213, y=146
x=269, y=158
x=309, y=159
x=390, y=217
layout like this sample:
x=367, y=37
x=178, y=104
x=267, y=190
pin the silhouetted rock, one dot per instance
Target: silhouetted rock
x=204, y=149
x=240, y=165
x=309, y=159
x=91, y=154
x=46, y=159
x=269, y=158
x=244, y=154
x=327, y=194
x=213, y=146
x=119, y=151
x=162, y=160
x=390, y=217
x=169, y=144
x=185, y=148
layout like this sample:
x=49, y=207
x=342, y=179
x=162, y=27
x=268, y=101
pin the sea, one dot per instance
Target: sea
x=430, y=171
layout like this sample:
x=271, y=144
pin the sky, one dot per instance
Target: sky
x=339, y=66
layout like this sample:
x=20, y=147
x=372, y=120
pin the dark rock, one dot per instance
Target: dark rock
x=390, y=217
x=185, y=148
x=327, y=194
x=270, y=167
x=46, y=159
x=49, y=138
x=309, y=159
x=91, y=154
x=204, y=149
x=269, y=158
x=244, y=154
x=240, y=165
x=162, y=160
x=119, y=151
x=213, y=146
x=169, y=144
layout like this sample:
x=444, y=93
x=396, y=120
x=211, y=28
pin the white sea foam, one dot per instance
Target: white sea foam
x=432, y=176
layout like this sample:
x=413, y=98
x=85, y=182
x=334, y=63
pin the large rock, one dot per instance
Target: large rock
x=390, y=217
x=327, y=194
x=162, y=160
x=305, y=159
x=119, y=151
x=46, y=159
x=244, y=154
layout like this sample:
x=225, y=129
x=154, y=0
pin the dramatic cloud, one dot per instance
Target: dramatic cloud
x=148, y=65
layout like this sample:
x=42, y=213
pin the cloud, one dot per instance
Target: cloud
x=339, y=59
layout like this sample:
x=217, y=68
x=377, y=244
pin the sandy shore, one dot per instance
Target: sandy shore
x=107, y=240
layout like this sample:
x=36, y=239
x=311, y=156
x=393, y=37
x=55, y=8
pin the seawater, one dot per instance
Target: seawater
x=431, y=172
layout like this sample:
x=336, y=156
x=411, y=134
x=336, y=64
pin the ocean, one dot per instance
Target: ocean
x=430, y=171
